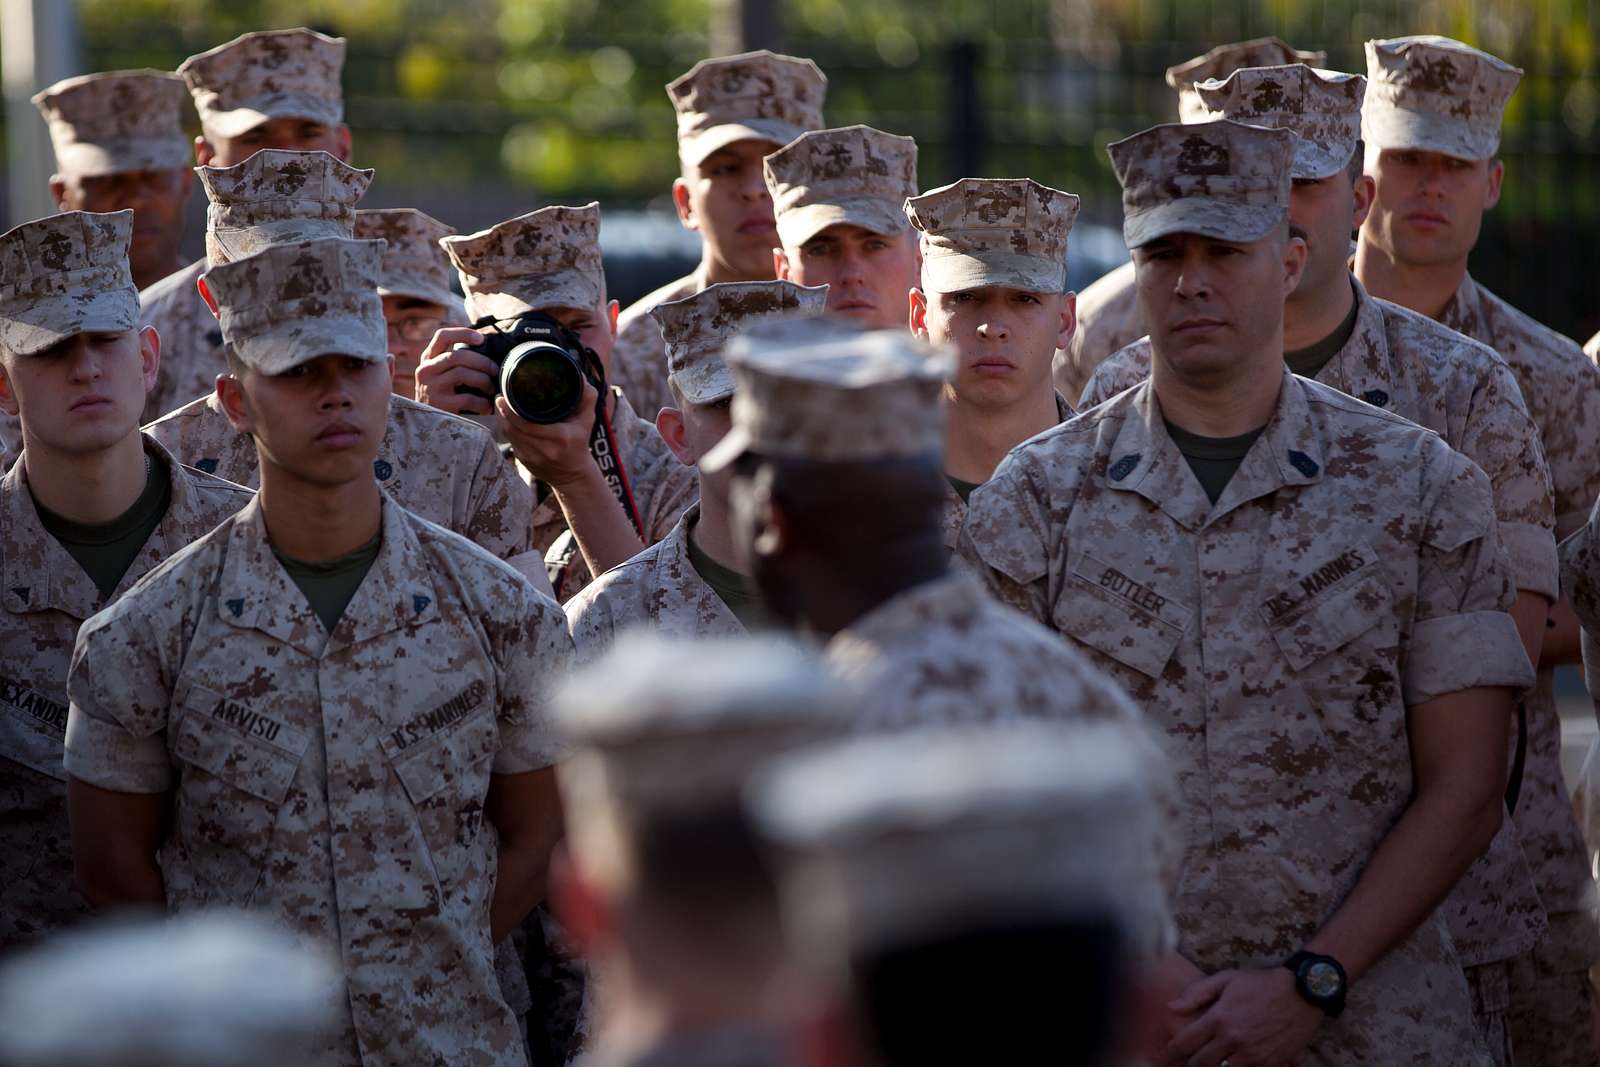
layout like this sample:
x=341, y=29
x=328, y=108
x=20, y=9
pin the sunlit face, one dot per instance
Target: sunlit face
x=1428, y=207
x=412, y=323
x=725, y=198
x=321, y=422
x=286, y=134
x=1005, y=339
x=83, y=394
x=868, y=275
x=156, y=198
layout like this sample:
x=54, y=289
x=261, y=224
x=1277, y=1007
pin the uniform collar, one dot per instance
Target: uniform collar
x=255, y=592
x=1144, y=459
x=1364, y=367
x=1463, y=312
x=41, y=575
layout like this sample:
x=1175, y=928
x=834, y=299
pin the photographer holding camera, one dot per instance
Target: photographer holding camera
x=537, y=354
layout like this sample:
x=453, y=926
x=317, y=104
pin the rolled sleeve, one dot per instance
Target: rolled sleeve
x=1469, y=651
x=117, y=714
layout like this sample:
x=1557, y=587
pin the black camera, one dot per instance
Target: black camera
x=542, y=367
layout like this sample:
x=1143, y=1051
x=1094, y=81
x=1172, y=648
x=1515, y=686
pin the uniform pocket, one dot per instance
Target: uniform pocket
x=1123, y=616
x=446, y=778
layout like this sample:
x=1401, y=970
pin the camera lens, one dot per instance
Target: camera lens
x=542, y=382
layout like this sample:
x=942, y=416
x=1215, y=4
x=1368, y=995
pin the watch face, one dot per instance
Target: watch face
x=1323, y=981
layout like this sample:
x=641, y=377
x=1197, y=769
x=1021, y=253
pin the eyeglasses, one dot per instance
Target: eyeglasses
x=416, y=327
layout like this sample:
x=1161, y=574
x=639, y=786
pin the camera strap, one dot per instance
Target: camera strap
x=608, y=457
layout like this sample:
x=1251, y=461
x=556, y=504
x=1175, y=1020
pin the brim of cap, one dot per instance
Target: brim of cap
x=798, y=225
x=735, y=443
x=697, y=146
x=705, y=383
x=953, y=272
x=551, y=291
x=1384, y=126
x=252, y=113
x=123, y=154
x=1314, y=160
x=298, y=341
x=1219, y=219
x=49, y=321
x=234, y=243
x=416, y=287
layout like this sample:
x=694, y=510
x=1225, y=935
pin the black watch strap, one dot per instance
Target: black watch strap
x=1320, y=980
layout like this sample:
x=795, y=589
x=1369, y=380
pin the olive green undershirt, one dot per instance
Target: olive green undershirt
x=1214, y=460
x=329, y=584
x=963, y=489
x=734, y=589
x=106, y=550
x=1309, y=361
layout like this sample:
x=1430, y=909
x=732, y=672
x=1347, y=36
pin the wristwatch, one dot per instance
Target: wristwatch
x=1320, y=981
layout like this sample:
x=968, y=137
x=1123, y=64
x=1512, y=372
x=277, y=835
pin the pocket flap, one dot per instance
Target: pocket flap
x=248, y=750
x=426, y=768
x=1331, y=620
x=1120, y=615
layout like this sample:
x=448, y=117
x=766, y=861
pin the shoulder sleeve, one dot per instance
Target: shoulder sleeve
x=590, y=622
x=1462, y=636
x=1005, y=537
x=532, y=656
x=501, y=519
x=120, y=691
x=1500, y=437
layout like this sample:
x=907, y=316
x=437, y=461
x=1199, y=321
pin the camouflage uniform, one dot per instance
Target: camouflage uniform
x=854, y=175
x=278, y=197
x=752, y=96
x=1352, y=545
x=660, y=586
x=443, y=468
x=955, y=509
x=110, y=123
x=214, y=679
x=413, y=263
x=1108, y=311
x=1438, y=95
x=235, y=86
x=550, y=258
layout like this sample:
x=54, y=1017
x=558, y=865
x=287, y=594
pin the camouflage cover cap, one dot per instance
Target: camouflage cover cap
x=855, y=175
x=118, y=121
x=697, y=328
x=267, y=75
x=754, y=95
x=1223, y=60
x=289, y=304
x=1436, y=94
x=413, y=265
x=936, y=832
x=1218, y=179
x=211, y=989
x=823, y=390
x=1322, y=107
x=667, y=723
x=994, y=231
x=548, y=258
x=277, y=197
x=63, y=275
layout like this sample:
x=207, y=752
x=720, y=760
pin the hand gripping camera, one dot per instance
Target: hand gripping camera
x=543, y=366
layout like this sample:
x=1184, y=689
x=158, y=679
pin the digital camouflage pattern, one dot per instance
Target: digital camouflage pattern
x=1323, y=107
x=696, y=328
x=261, y=76
x=46, y=597
x=277, y=197
x=658, y=589
x=955, y=509
x=1435, y=94
x=994, y=231
x=854, y=175
x=1218, y=179
x=191, y=341
x=335, y=783
x=545, y=259
x=1350, y=570
x=822, y=390
x=118, y=121
x=663, y=488
x=1410, y=365
x=1223, y=60
x=944, y=653
x=1108, y=319
x=289, y=304
x=890, y=841
x=414, y=264
x=436, y=465
x=759, y=96
x=639, y=358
